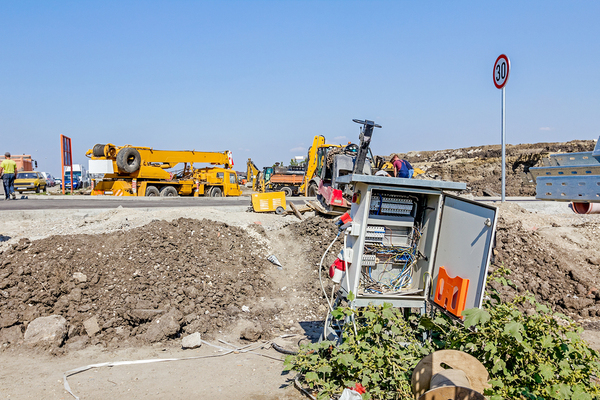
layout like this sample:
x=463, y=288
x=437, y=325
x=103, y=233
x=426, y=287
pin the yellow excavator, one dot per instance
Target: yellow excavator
x=315, y=161
x=144, y=171
x=252, y=175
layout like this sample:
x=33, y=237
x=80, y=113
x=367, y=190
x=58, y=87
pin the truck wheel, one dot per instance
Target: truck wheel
x=152, y=191
x=288, y=191
x=37, y=189
x=44, y=189
x=216, y=192
x=312, y=189
x=98, y=150
x=168, y=191
x=129, y=160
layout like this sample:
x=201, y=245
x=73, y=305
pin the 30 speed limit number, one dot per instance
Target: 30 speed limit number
x=501, y=71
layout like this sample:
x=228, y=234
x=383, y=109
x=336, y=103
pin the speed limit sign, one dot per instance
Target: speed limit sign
x=501, y=71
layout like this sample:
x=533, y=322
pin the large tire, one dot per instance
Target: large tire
x=129, y=160
x=152, y=191
x=216, y=192
x=312, y=189
x=98, y=150
x=288, y=191
x=37, y=189
x=168, y=191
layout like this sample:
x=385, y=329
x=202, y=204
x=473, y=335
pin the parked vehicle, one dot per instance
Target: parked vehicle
x=315, y=160
x=328, y=163
x=30, y=181
x=49, y=179
x=24, y=162
x=80, y=177
x=143, y=171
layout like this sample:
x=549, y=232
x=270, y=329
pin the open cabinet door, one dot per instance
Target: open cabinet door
x=464, y=245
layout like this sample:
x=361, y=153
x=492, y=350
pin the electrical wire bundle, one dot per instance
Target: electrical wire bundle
x=401, y=256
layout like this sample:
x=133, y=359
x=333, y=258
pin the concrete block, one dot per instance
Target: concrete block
x=46, y=331
x=192, y=341
x=91, y=326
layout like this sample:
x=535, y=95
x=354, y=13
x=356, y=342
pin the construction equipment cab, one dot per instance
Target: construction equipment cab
x=315, y=162
x=143, y=171
x=327, y=163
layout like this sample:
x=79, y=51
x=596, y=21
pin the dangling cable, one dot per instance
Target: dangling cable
x=321, y=266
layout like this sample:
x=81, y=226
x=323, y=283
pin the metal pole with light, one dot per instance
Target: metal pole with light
x=501, y=72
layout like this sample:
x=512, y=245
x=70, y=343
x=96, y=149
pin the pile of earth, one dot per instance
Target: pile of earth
x=558, y=264
x=159, y=282
x=480, y=167
x=165, y=280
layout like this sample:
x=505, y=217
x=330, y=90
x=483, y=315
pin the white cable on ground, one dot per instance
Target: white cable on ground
x=235, y=350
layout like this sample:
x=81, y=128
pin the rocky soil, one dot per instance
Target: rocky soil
x=480, y=167
x=161, y=281
x=556, y=258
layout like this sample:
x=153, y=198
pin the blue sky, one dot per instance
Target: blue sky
x=261, y=78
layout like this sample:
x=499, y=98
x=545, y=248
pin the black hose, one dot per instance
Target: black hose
x=283, y=350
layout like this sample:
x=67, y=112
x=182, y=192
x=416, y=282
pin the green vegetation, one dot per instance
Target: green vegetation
x=536, y=355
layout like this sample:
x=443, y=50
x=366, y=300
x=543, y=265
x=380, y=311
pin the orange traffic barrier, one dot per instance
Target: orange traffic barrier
x=451, y=293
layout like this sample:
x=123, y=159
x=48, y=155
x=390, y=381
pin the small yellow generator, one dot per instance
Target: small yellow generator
x=269, y=202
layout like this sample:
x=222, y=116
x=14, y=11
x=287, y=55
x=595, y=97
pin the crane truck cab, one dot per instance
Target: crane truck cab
x=144, y=171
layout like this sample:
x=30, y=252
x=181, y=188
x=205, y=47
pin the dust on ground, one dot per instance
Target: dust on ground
x=133, y=290
x=116, y=275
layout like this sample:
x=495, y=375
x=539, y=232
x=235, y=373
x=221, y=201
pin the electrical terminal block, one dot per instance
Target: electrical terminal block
x=390, y=204
x=369, y=260
x=374, y=234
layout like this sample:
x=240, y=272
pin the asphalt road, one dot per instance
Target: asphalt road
x=44, y=202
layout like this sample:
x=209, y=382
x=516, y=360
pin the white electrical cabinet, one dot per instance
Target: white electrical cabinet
x=403, y=231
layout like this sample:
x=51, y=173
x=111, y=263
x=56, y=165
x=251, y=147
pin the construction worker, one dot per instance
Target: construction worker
x=8, y=171
x=402, y=168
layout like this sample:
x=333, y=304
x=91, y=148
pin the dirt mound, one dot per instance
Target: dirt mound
x=165, y=279
x=480, y=167
x=200, y=274
x=565, y=277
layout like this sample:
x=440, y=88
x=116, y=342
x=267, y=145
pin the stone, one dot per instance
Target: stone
x=594, y=260
x=11, y=335
x=191, y=292
x=91, y=326
x=192, y=341
x=140, y=315
x=77, y=343
x=252, y=333
x=80, y=277
x=75, y=295
x=49, y=330
x=7, y=320
x=164, y=326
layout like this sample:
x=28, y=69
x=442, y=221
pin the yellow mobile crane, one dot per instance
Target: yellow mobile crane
x=143, y=171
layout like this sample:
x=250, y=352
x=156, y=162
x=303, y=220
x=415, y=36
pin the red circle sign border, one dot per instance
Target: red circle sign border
x=507, y=70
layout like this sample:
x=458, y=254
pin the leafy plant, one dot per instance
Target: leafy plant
x=535, y=356
x=380, y=354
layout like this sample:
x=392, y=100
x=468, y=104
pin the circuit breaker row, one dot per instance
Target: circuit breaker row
x=390, y=204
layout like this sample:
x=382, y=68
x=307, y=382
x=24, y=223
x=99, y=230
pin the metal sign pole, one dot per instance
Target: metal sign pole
x=501, y=73
x=503, y=144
